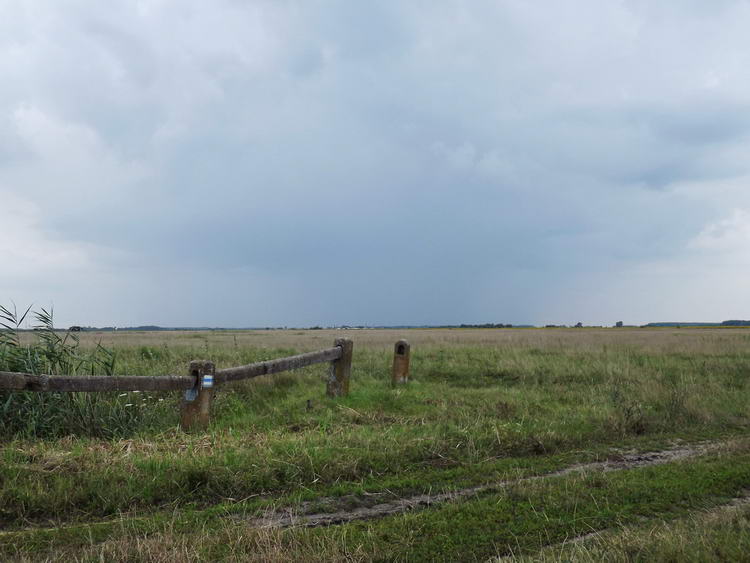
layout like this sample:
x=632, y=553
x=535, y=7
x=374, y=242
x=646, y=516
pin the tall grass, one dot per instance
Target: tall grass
x=51, y=415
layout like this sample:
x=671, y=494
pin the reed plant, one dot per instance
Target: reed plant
x=51, y=415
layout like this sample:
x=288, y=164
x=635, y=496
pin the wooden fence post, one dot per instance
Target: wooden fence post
x=341, y=370
x=196, y=404
x=401, y=352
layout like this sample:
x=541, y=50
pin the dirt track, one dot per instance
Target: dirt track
x=305, y=515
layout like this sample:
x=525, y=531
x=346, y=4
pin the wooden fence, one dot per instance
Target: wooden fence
x=198, y=385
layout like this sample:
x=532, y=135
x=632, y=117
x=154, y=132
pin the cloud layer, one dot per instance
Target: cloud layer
x=297, y=163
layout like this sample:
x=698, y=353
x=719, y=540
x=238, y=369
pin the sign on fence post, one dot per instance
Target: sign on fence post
x=341, y=370
x=401, y=352
x=196, y=405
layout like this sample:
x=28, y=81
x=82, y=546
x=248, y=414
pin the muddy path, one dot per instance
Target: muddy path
x=309, y=514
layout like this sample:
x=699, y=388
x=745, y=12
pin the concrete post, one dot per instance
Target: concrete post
x=400, y=373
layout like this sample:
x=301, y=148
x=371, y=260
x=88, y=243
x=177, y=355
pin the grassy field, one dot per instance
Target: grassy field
x=112, y=478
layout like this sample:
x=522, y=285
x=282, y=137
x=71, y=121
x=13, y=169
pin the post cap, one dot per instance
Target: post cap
x=402, y=347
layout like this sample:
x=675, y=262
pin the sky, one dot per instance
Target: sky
x=297, y=163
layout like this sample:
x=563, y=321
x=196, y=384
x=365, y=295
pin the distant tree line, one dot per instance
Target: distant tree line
x=486, y=325
x=688, y=324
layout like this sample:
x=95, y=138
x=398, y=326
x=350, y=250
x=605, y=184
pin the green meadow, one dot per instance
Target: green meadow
x=87, y=477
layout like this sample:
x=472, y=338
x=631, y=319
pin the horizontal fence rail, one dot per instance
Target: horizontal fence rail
x=198, y=385
x=93, y=383
x=275, y=366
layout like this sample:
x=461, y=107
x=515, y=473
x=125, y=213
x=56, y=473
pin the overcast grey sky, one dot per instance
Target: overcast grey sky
x=252, y=163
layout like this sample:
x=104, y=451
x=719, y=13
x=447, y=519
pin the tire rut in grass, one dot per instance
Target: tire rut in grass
x=305, y=514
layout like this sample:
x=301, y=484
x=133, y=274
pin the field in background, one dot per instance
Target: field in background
x=485, y=406
x=688, y=340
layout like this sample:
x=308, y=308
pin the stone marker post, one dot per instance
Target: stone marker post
x=401, y=353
